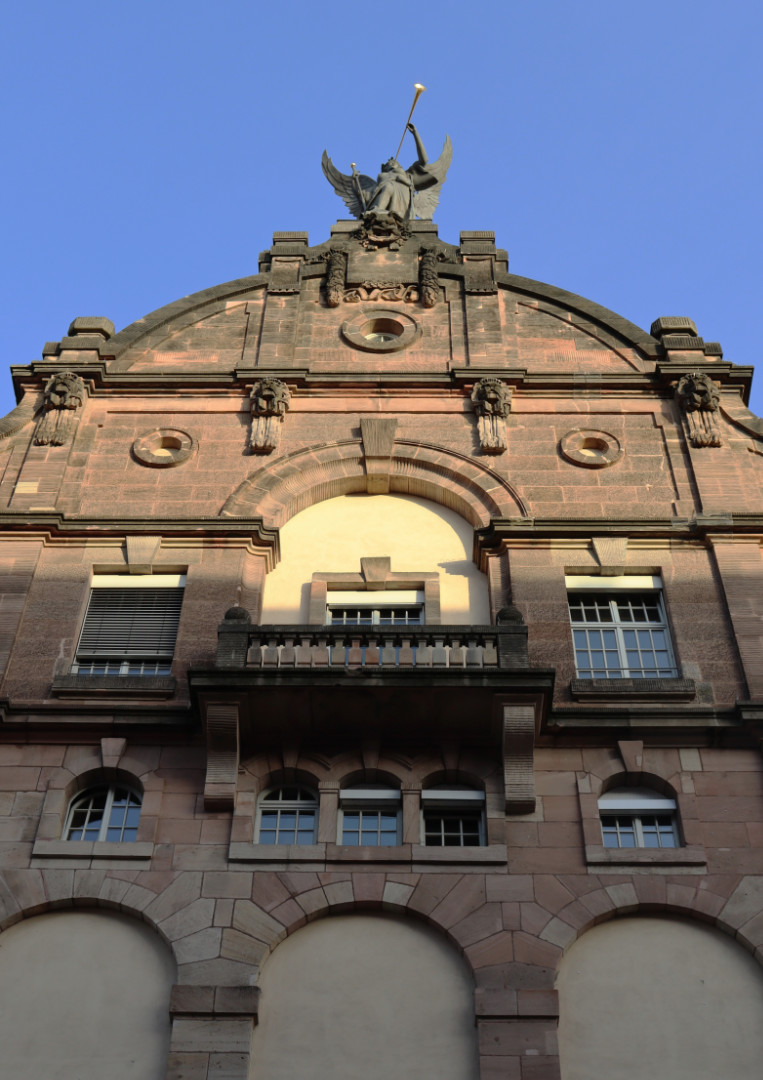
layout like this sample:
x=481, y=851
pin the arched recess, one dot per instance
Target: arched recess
x=84, y=994
x=278, y=492
x=659, y=996
x=365, y=994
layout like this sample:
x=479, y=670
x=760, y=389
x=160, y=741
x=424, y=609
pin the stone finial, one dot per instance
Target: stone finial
x=92, y=324
x=491, y=399
x=699, y=400
x=63, y=396
x=673, y=324
x=269, y=402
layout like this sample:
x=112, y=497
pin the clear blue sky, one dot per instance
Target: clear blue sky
x=152, y=148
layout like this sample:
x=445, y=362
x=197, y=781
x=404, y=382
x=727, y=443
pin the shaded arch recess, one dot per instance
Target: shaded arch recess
x=311, y=475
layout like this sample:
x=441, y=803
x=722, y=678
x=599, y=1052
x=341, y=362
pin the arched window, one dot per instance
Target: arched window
x=288, y=815
x=638, y=817
x=453, y=816
x=104, y=813
x=370, y=816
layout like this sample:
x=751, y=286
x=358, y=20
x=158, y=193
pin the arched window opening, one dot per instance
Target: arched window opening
x=288, y=815
x=638, y=817
x=370, y=816
x=453, y=815
x=104, y=813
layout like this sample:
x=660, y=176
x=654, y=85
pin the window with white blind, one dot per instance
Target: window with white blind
x=130, y=626
x=620, y=628
x=393, y=608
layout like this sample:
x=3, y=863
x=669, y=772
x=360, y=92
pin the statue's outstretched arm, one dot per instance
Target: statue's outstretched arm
x=419, y=144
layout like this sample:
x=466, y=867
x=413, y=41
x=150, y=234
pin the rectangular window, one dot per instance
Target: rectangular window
x=638, y=818
x=400, y=608
x=130, y=626
x=620, y=634
x=370, y=816
x=453, y=817
x=638, y=830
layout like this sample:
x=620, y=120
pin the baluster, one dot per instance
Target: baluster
x=254, y=654
x=456, y=654
x=372, y=653
x=304, y=652
x=355, y=653
x=473, y=653
x=270, y=653
x=389, y=653
x=405, y=654
x=423, y=654
x=288, y=653
x=321, y=652
x=439, y=653
x=338, y=657
x=490, y=655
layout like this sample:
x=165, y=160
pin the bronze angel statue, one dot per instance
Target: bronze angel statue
x=409, y=193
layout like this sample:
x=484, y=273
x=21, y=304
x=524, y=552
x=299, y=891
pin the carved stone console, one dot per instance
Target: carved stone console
x=269, y=400
x=698, y=399
x=491, y=399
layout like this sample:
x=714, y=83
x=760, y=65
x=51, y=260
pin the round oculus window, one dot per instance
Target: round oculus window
x=380, y=331
x=163, y=448
x=590, y=449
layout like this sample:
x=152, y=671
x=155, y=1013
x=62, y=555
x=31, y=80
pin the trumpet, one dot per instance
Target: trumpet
x=419, y=91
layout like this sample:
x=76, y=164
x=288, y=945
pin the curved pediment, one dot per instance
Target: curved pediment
x=465, y=308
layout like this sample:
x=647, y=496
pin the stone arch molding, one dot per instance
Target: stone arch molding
x=377, y=464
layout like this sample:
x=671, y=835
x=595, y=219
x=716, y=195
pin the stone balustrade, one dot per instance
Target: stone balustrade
x=282, y=648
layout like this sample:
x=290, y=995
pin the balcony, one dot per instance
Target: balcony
x=372, y=650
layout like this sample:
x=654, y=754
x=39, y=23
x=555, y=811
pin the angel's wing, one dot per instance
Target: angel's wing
x=425, y=202
x=434, y=172
x=346, y=187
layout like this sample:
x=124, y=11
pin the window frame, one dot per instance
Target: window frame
x=450, y=801
x=86, y=659
x=362, y=600
x=111, y=792
x=605, y=591
x=369, y=800
x=288, y=806
x=636, y=804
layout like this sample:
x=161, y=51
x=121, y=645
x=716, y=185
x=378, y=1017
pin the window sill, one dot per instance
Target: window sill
x=134, y=686
x=486, y=854
x=633, y=689
x=598, y=855
x=92, y=849
x=280, y=853
x=340, y=853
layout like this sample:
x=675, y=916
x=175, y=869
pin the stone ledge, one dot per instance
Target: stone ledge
x=280, y=853
x=326, y=853
x=598, y=855
x=487, y=854
x=133, y=686
x=92, y=849
x=633, y=689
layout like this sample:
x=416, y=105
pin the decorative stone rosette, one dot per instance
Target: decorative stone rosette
x=63, y=396
x=491, y=399
x=269, y=401
x=699, y=401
